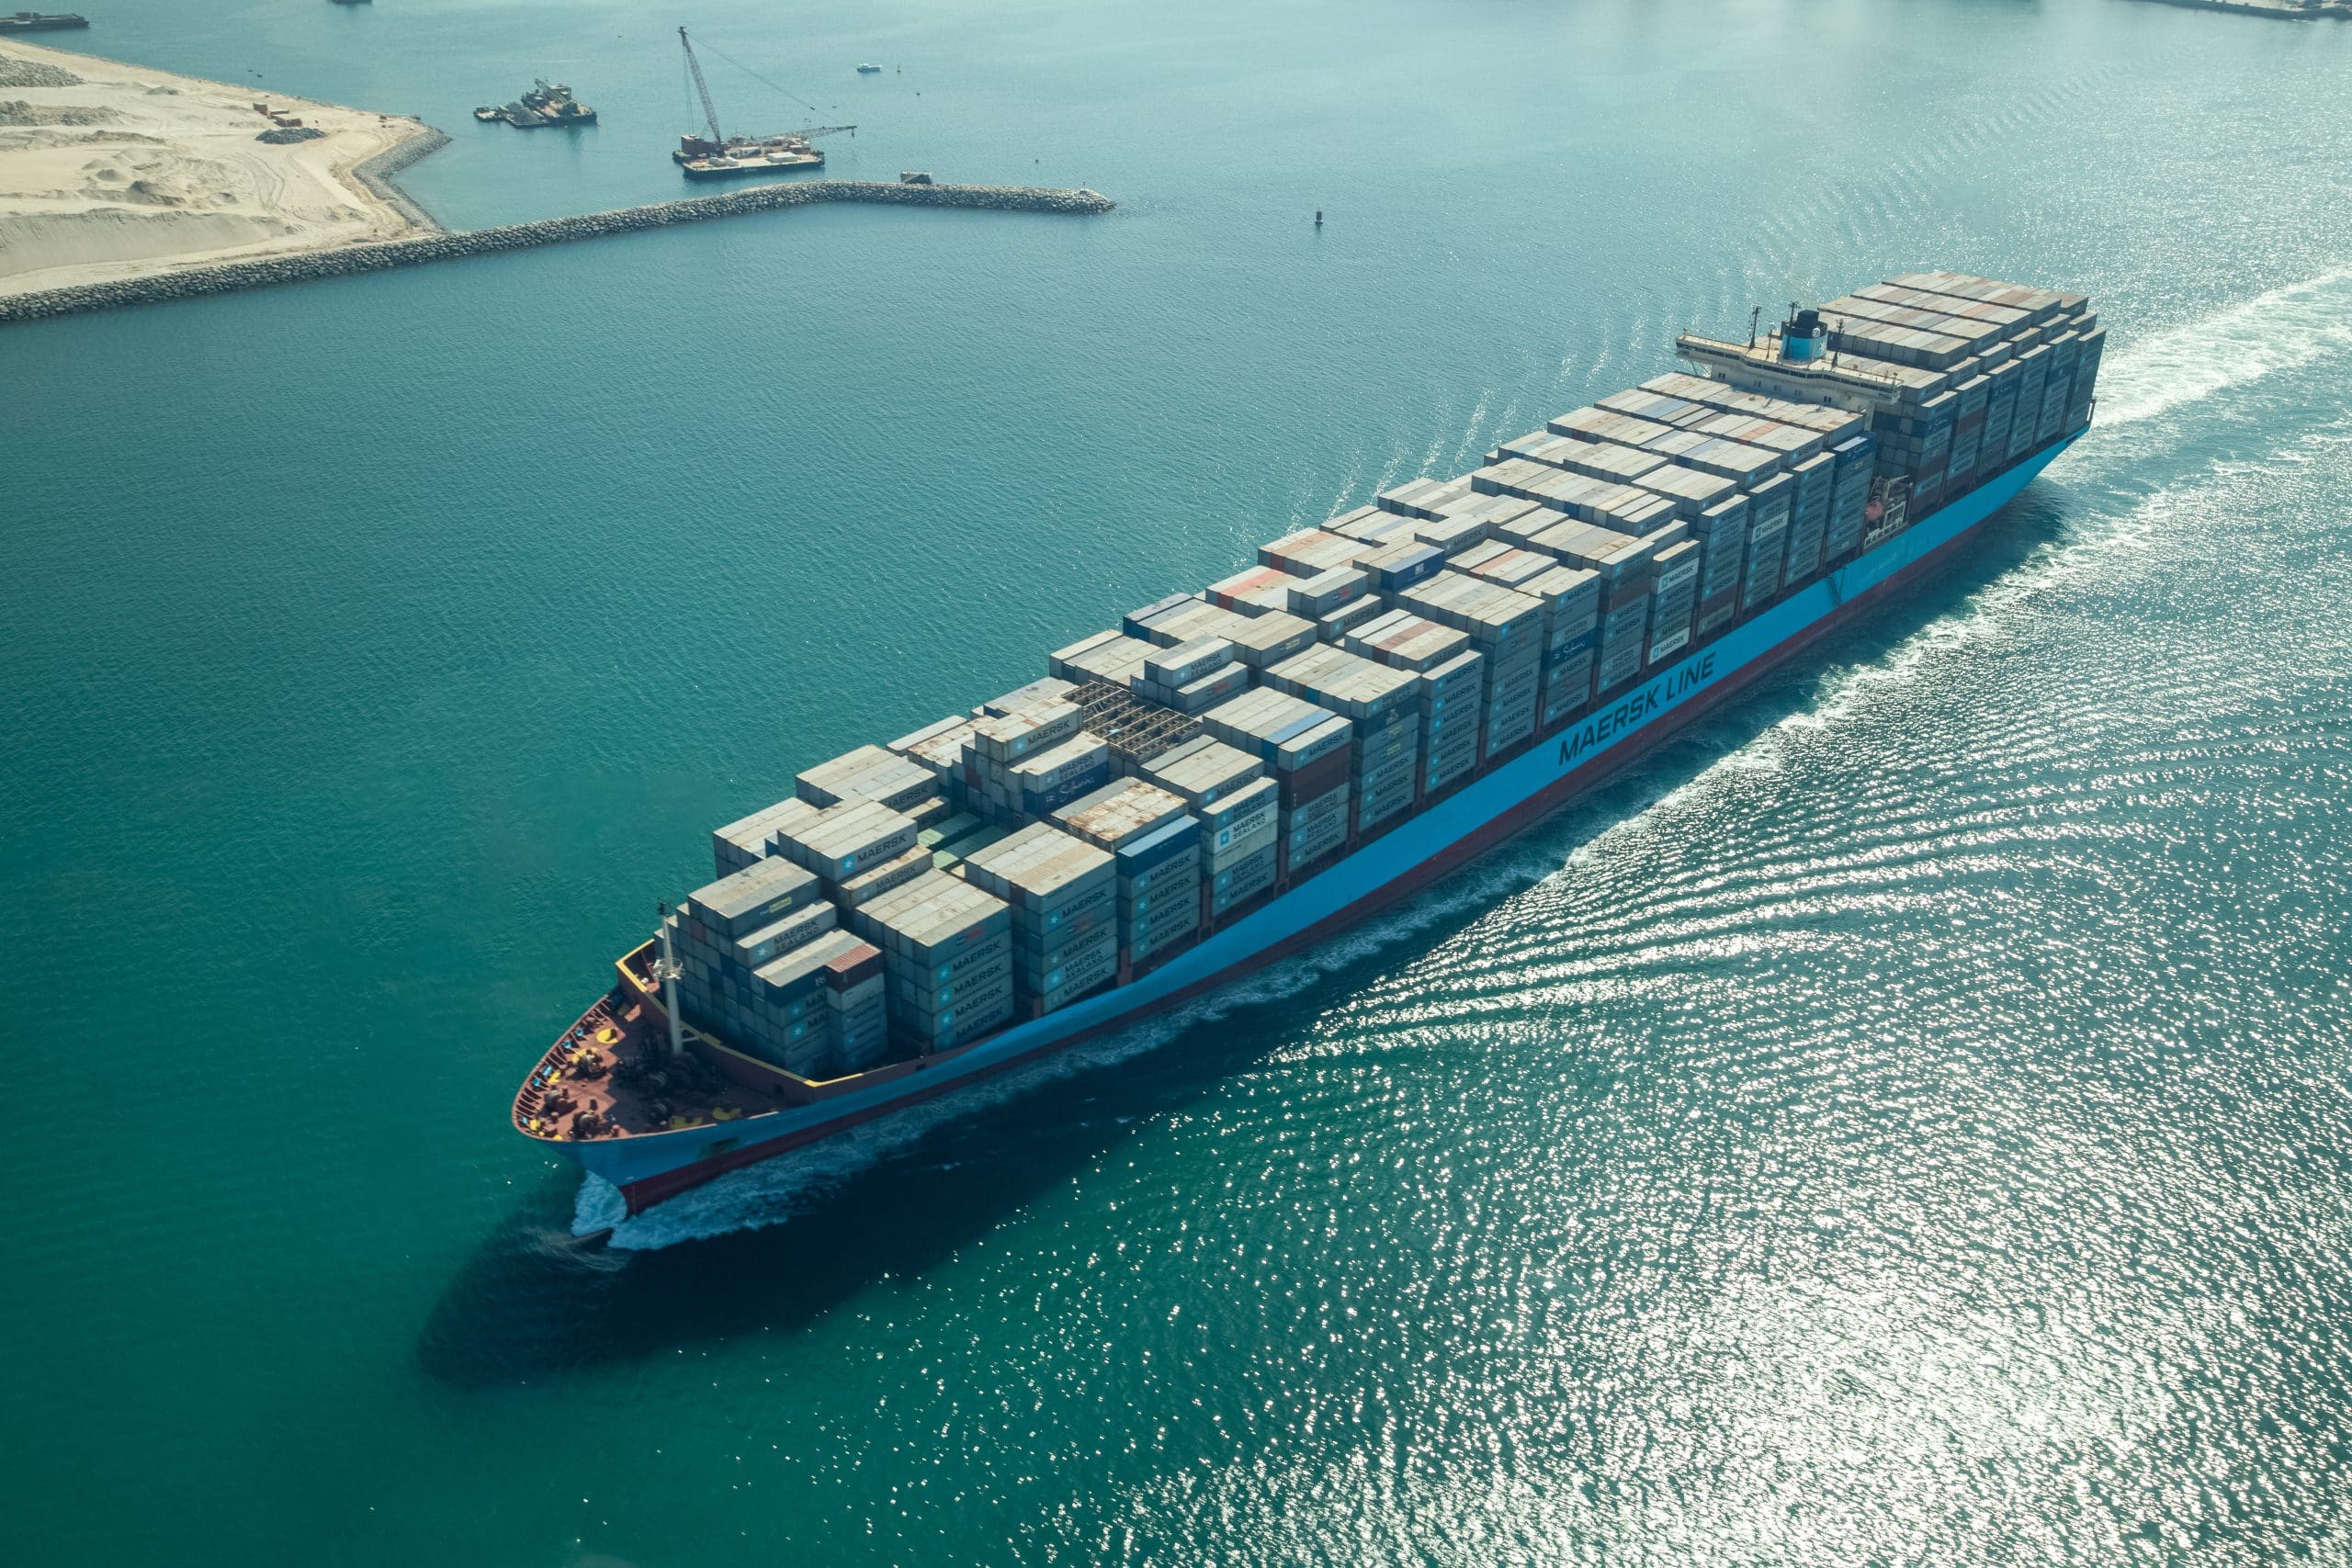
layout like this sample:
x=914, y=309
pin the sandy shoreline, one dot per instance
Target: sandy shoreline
x=130, y=172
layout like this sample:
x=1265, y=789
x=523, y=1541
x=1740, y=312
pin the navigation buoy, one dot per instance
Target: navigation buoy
x=1318, y=218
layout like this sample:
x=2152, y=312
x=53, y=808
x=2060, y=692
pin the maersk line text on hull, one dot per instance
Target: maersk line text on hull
x=1638, y=708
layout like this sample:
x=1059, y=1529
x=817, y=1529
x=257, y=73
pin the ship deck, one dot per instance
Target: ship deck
x=583, y=1087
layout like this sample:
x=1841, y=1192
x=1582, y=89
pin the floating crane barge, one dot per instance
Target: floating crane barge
x=1235, y=774
x=722, y=157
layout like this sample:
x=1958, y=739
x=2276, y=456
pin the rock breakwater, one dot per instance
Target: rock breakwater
x=261, y=272
x=377, y=174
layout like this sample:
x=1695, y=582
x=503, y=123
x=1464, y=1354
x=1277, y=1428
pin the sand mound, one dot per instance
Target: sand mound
x=16, y=111
x=16, y=73
x=32, y=242
x=44, y=137
x=148, y=193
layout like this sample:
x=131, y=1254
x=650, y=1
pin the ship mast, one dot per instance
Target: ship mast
x=709, y=109
x=667, y=968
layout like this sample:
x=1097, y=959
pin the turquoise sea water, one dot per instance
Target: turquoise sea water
x=1905, y=1122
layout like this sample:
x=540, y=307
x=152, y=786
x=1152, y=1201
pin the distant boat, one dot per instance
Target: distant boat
x=548, y=103
x=868, y=70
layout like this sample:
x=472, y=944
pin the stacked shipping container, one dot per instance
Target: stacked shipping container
x=1173, y=771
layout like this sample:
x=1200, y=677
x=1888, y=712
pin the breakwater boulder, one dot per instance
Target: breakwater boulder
x=261, y=272
x=377, y=174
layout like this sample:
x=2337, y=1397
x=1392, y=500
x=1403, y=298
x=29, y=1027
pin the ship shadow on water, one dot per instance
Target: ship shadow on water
x=535, y=1304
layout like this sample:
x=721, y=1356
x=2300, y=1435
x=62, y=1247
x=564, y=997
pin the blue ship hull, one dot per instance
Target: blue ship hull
x=649, y=1168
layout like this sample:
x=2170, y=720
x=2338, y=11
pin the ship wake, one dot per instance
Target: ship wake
x=2283, y=330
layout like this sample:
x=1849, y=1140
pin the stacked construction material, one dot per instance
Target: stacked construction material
x=753, y=949
x=1507, y=629
x=1384, y=707
x=1452, y=686
x=1309, y=751
x=1155, y=841
x=1190, y=676
x=1065, y=926
x=947, y=957
x=1238, y=809
x=1571, y=600
x=1111, y=657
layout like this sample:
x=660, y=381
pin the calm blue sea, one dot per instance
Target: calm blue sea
x=1905, y=1122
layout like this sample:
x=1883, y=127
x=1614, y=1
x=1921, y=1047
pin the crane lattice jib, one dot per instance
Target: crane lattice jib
x=709, y=109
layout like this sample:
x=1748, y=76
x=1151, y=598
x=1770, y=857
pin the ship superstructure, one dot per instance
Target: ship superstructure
x=1231, y=774
x=548, y=103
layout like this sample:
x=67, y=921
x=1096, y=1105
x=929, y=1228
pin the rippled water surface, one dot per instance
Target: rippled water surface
x=1904, y=1122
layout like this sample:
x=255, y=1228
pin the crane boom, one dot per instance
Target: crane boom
x=710, y=110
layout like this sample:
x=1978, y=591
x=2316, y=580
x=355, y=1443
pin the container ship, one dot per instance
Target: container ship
x=1231, y=775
